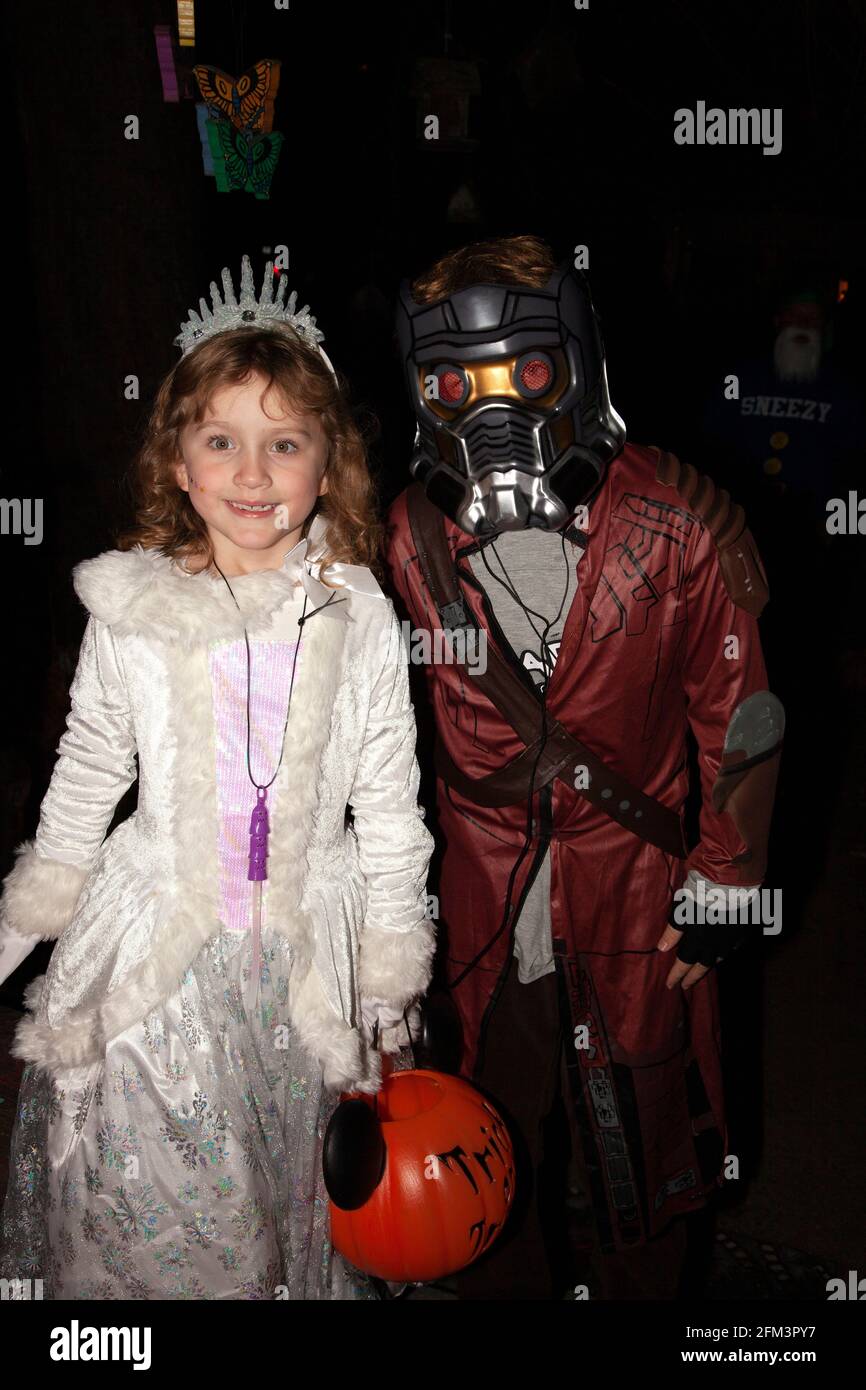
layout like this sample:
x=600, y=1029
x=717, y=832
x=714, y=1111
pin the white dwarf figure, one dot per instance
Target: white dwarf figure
x=224, y=955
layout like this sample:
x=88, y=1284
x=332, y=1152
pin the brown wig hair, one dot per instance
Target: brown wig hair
x=165, y=516
x=511, y=260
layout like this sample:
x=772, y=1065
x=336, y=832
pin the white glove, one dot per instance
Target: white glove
x=14, y=948
x=392, y=1026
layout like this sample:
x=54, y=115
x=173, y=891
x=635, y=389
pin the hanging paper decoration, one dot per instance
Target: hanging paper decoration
x=165, y=56
x=247, y=103
x=242, y=159
x=239, y=115
x=442, y=88
x=186, y=23
x=207, y=157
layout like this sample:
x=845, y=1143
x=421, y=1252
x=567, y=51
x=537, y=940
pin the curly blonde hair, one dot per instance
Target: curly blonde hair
x=164, y=515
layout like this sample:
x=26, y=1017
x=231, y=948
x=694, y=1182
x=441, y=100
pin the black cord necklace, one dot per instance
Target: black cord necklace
x=259, y=822
x=511, y=589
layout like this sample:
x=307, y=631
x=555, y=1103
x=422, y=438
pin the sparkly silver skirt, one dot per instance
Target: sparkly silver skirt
x=187, y=1162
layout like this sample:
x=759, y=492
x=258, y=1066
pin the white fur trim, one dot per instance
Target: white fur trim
x=33, y=993
x=142, y=592
x=396, y=965
x=348, y=1063
x=39, y=894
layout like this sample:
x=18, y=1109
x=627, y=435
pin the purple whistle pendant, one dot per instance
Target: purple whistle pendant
x=259, y=828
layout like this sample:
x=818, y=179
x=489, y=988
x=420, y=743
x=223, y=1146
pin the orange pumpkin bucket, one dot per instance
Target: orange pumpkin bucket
x=420, y=1175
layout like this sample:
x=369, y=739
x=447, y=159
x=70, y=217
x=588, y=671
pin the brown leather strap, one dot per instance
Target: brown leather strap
x=562, y=754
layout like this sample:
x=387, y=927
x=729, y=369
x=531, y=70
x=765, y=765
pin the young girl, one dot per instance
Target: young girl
x=225, y=953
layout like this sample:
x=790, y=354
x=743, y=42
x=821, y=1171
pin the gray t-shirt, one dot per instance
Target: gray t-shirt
x=540, y=567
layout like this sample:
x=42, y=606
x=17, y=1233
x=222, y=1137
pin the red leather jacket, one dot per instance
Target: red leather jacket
x=647, y=651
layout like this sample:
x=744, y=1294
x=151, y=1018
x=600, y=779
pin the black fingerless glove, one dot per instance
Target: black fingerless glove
x=704, y=943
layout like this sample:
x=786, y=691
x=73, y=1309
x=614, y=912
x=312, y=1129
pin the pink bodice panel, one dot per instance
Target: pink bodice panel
x=271, y=665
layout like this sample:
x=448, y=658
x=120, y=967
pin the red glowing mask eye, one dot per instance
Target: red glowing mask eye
x=535, y=374
x=452, y=387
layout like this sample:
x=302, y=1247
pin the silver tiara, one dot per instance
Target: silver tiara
x=269, y=310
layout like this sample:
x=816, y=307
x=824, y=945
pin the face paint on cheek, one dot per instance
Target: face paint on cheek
x=193, y=483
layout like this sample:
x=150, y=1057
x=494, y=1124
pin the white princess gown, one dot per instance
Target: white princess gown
x=187, y=1162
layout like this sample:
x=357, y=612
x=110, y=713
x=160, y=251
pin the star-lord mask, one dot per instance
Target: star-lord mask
x=515, y=424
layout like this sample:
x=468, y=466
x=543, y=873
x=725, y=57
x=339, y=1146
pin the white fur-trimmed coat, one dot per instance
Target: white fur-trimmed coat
x=132, y=910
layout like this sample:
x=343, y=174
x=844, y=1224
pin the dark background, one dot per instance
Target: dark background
x=570, y=136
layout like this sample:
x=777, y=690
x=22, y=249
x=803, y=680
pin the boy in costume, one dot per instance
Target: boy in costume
x=615, y=593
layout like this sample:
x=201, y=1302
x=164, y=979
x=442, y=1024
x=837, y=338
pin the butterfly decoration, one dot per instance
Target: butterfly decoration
x=236, y=120
x=248, y=103
x=242, y=159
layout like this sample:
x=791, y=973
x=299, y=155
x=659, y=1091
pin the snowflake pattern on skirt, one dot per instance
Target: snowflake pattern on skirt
x=187, y=1164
